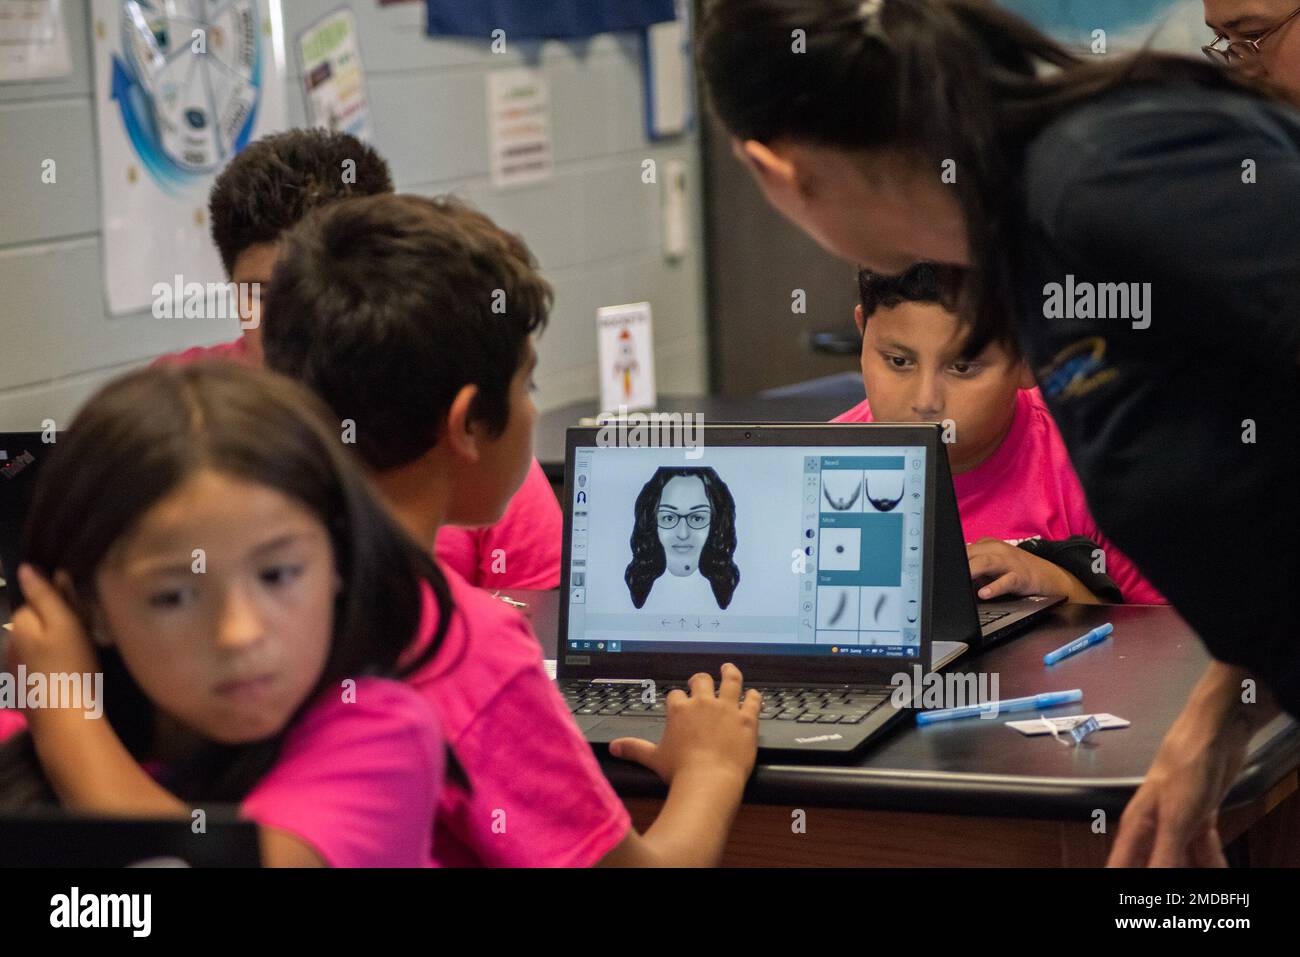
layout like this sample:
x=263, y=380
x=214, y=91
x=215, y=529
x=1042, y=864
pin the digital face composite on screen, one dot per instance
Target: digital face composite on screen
x=772, y=550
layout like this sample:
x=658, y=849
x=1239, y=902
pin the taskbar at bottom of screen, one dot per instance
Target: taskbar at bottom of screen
x=613, y=646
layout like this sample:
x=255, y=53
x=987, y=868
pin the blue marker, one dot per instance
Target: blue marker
x=1034, y=702
x=1094, y=637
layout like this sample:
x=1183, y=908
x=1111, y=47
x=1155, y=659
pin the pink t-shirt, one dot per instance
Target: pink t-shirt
x=537, y=797
x=358, y=780
x=11, y=722
x=522, y=550
x=1027, y=488
x=236, y=351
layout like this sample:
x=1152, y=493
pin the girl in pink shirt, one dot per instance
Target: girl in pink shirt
x=200, y=537
x=1013, y=478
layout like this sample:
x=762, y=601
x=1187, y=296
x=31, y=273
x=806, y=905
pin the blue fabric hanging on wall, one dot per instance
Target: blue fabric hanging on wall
x=544, y=19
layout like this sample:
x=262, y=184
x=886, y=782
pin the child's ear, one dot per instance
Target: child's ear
x=858, y=321
x=464, y=434
x=764, y=162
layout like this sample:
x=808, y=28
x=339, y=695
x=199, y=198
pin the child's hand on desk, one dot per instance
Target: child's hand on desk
x=47, y=634
x=1007, y=570
x=705, y=732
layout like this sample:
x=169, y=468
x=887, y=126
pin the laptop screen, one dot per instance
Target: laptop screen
x=746, y=550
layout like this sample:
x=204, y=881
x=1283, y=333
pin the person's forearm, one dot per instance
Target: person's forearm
x=692, y=827
x=90, y=769
x=1077, y=592
x=1219, y=701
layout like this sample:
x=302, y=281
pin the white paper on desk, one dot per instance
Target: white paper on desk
x=549, y=665
x=1036, y=726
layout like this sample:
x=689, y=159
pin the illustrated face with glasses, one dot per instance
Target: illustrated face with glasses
x=1255, y=34
x=683, y=517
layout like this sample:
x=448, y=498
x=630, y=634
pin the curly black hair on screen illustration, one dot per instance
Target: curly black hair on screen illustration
x=685, y=521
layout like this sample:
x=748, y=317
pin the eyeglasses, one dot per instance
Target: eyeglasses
x=694, y=520
x=1237, y=51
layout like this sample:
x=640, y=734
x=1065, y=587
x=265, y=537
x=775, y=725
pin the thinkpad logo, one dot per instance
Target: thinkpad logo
x=818, y=738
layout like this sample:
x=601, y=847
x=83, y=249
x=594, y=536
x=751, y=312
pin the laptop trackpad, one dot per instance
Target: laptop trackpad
x=649, y=728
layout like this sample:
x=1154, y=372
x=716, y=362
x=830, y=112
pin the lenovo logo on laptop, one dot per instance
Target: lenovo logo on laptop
x=10, y=468
x=819, y=738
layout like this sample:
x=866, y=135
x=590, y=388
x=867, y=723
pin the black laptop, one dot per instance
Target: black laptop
x=678, y=558
x=821, y=559
x=21, y=454
x=55, y=838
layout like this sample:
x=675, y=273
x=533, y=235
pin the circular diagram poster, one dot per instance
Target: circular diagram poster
x=181, y=87
x=1177, y=25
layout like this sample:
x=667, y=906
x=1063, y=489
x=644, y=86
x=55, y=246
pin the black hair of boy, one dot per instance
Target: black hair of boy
x=923, y=282
x=876, y=290
x=274, y=182
x=387, y=306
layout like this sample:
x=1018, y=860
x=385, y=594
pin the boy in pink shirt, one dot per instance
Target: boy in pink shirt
x=436, y=381
x=537, y=796
x=1014, y=482
x=265, y=191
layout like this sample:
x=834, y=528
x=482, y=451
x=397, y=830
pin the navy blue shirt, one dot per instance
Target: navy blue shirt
x=1180, y=407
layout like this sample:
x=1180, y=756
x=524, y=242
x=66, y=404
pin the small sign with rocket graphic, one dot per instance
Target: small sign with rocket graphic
x=627, y=357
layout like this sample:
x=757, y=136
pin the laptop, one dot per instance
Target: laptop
x=20, y=456
x=961, y=623
x=56, y=839
x=743, y=545
x=821, y=559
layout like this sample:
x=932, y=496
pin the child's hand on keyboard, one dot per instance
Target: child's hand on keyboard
x=705, y=733
x=1002, y=569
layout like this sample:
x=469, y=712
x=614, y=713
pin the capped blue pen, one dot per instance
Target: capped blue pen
x=1094, y=637
x=1033, y=702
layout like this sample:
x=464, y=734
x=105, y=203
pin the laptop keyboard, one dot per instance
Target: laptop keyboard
x=824, y=704
x=988, y=617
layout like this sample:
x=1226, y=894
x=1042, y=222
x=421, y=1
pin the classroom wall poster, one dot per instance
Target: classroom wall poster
x=333, y=75
x=537, y=20
x=669, y=77
x=181, y=86
x=1177, y=25
x=625, y=343
x=519, y=127
x=33, y=41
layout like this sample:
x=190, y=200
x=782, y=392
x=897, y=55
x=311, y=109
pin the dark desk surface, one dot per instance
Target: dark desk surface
x=1144, y=673
x=549, y=437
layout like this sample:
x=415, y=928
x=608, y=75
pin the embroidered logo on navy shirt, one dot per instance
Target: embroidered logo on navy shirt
x=1076, y=370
